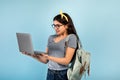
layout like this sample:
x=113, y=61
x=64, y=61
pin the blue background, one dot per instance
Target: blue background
x=97, y=23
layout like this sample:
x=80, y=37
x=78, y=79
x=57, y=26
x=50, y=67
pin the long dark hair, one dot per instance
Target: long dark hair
x=71, y=28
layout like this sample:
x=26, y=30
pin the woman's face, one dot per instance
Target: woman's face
x=59, y=28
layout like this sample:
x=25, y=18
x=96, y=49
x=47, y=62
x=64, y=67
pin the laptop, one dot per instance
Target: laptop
x=25, y=43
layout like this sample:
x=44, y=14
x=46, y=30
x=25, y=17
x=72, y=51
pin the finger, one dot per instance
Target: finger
x=23, y=52
x=35, y=56
x=26, y=53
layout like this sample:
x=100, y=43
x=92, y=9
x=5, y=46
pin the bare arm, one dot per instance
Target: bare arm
x=65, y=60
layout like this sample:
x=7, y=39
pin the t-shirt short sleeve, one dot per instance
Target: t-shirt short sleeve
x=72, y=42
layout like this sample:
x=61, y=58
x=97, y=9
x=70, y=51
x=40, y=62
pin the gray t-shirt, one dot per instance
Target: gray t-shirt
x=58, y=50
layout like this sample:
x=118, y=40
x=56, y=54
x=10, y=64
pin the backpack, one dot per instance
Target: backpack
x=80, y=64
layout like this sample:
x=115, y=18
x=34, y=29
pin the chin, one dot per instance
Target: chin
x=57, y=33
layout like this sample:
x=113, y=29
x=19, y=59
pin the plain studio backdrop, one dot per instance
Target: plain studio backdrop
x=97, y=23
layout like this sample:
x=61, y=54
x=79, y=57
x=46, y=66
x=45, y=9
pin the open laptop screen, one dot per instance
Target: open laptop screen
x=25, y=42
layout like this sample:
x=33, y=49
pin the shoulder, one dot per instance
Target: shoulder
x=72, y=40
x=72, y=36
x=51, y=37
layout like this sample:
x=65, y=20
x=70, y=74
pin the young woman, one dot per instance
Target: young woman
x=58, y=55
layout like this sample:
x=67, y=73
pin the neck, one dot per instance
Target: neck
x=62, y=35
